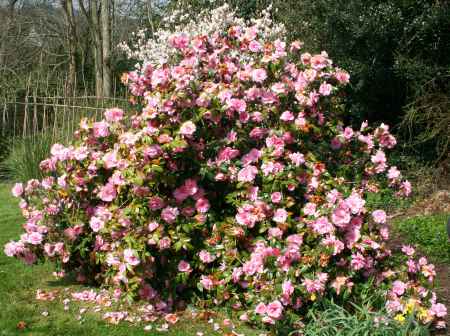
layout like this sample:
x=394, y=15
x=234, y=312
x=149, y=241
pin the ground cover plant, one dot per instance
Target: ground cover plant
x=429, y=233
x=236, y=184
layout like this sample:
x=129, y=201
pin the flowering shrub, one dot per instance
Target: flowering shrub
x=237, y=183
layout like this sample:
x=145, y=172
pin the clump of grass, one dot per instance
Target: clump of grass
x=429, y=233
x=334, y=320
x=24, y=157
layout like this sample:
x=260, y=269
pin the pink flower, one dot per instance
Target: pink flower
x=179, y=41
x=255, y=46
x=107, y=193
x=238, y=105
x=164, y=243
x=17, y=190
x=275, y=232
x=276, y=197
x=206, y=282
x=96, y=224
x=155, y=203
x=101, y=129
x=297, y=158
x=187, y=128
x=169, y=214
x=408, y=250
x=259, y=75
x=130, y=257
x=34, y=238
x=379, y=216
x=280, y=216
x=114, y=114
x=275, y=309
x=399, y=287
x=438, y=309
x=393, y=173
x=325, y=89
x=183, y=266
x=152, y=226
x=288, y=288
x=206, y=257
x=342, y=76
x=287, y=116
x=247, y=174
x=260, y=308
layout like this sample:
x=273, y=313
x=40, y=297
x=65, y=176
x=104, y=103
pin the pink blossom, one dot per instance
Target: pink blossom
x=247, y=174
x=275, y=309
x=170, y=214
x=17, y=190
x=96, y=224
x=183, y=266
x=206, y=282
x=399, y=287
x=164, y=243
x=325, y=89
x=297, y=158
x=255, y=46
x=276, y=197
x=280, y=215
x=107, y=193
x=260, y=309
x=287, y=116
x=152, y=226
x=114, y=114
x=206, y=257
x=129, y=255
x=287, y=288
x=34, y=238
x=156, y=203
x=379, y=216
x=438, y=309
x=187, y=128
x=259, y=75
x=101, y=129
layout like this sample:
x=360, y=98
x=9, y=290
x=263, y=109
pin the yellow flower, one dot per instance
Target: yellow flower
x=399, y=318
x=313, y=297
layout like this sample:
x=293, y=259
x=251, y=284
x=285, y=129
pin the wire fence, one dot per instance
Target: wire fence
x=34, y=110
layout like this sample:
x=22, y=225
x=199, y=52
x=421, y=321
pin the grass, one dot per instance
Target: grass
x=429, y=234
x=19, y=282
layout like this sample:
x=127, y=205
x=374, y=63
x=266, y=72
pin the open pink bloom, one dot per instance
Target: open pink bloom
x=206, y=282
x=114, y=114
x=101, y=129
x=96, y=224
x=156, y=203
x=275, y=309
x=399, y=287
x=183, y=266
x=280, y=216
x=288, y=288
x=259, y=75
x=188, y=128
x=325, y=89
x=254, y=46
x=379, y=216
x=206, y=257
x=260, y=308
x=247, y=174
x=152, y=226
x=17, y=190
x=170, y=214
x=438, y=309
x=107, y=193
x=130, y=257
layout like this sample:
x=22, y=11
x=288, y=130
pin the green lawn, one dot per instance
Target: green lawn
x=18, y=285
x=429, y=234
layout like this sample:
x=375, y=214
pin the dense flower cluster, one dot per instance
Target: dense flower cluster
x=236, y=181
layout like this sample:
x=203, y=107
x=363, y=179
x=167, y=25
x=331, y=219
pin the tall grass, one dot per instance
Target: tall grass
x=24, y=157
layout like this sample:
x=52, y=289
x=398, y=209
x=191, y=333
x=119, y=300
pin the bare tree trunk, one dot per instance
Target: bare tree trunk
x=98, y=58
x=72, y=41
x=4, y=27
x=105, y=24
